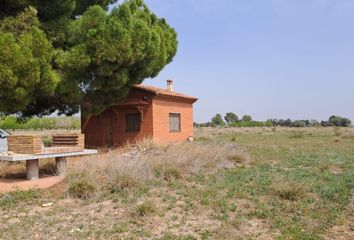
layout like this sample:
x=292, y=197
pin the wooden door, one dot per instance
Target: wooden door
x=107, y=125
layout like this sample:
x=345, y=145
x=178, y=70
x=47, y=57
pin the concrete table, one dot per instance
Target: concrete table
x=32, y=161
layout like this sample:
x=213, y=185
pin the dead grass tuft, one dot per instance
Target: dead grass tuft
x=239, y=157
x=47, y=166
x=145, y=208
x=112, y=170
x=297, y=134
x=80, y=186
x=132, y=166
x=189, y=158
x=124, y=174
x=3, y=169
x=289, y=191
x=348, y=135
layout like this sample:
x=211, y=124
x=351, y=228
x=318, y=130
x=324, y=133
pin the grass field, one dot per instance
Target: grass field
x=249, y=183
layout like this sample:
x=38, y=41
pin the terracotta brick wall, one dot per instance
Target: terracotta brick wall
x=109, y=128
x=120, y=135
x=161, y=111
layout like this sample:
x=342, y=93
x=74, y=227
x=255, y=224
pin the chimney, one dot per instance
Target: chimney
x=169, y=85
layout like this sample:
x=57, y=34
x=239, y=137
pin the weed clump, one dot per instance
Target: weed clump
x=81, y=187
x=297, y=134
x=238, y=158
x=190, y=158
x=14, y=198
x=172, y=173
x=145, y=208
x=290, y=192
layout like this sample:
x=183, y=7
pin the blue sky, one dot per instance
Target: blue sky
x=267, y=58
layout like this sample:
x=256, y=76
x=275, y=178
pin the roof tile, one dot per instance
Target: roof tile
x=164, y=92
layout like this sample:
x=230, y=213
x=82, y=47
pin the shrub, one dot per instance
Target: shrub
x=14, y=198
x=289, y=191
x=172, y=173
x=11, y=122
x=200, y=157
x=47, y=141
x=80, y=186
x=111, y=171
x=145, y=208
x=238, y=157
x=297, y=134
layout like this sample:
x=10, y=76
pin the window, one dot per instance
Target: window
x=132, y=122
x=175, y=122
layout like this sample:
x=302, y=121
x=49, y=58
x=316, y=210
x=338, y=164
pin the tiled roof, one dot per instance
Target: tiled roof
x=164, y=92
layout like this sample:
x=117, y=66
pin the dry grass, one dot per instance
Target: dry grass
x=110, y=171
x=297, y=134
x=289, y=190
x=145, y=208
x=133, y=165
x=18, y=169
x=12, y=169
x=348, y=135
x=189, y=158
x=3, y=169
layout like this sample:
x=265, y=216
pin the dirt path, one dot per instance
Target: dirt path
x=8, y=185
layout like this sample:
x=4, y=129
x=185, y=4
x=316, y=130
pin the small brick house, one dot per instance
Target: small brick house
x=147, y=112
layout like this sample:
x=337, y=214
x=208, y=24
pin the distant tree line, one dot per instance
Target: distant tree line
x=331, y=122
x=232, y=120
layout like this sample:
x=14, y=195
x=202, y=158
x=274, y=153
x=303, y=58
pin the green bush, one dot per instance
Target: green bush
x=251, y=124
x=297, y=134
x=12, y=123
x=12, y=199
x=81, y=187
x=145, y=208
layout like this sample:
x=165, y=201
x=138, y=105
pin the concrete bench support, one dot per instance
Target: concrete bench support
x=32, y=169
x=61, y=166
x=32, y=161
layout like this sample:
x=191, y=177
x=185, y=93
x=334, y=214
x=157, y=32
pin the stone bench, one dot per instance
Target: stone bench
x=32, y=161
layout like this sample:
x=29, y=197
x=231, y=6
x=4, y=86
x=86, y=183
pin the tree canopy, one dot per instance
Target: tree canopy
x=247, y=118
x=66, y=54
x=217, y=120
x=339, y=121
x=25, y=63
x=231, y=117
